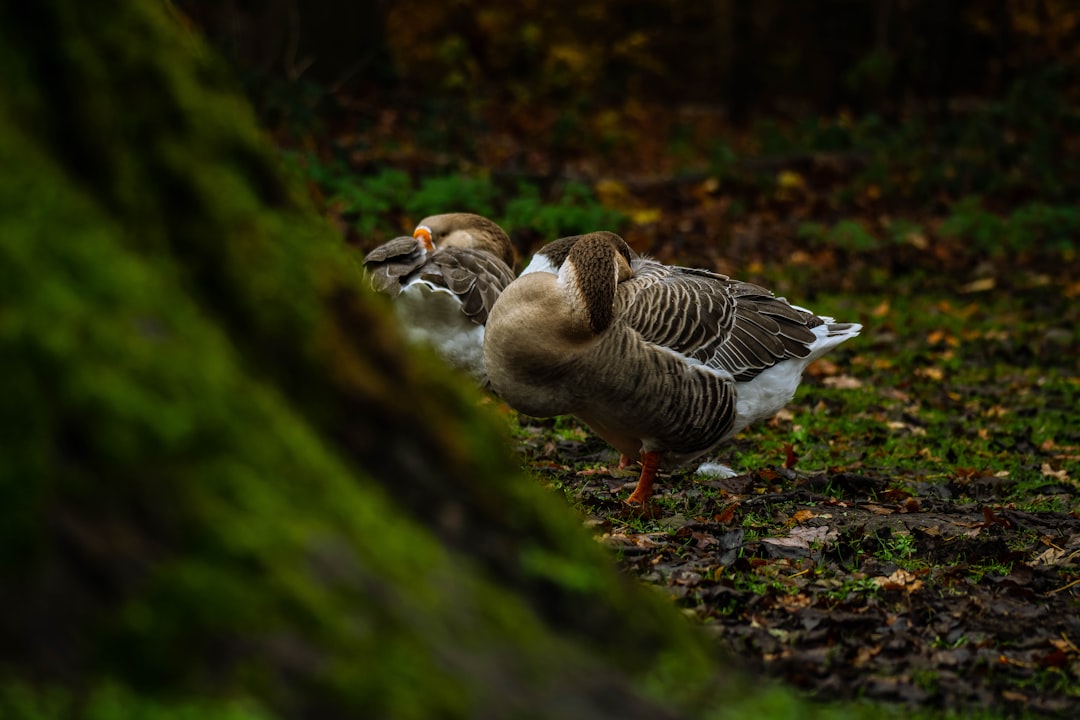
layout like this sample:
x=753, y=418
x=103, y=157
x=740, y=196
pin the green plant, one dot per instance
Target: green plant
x=1038, y=226
x=753, y=522
x=989, y=567
x=574, y=211
x=847, y=235
x=451, y=194
x=898, y=548
x=855, y=586
x=905, y=232
x=365, y=199
x=722, y=161
x=943, y=643
x=111, y=701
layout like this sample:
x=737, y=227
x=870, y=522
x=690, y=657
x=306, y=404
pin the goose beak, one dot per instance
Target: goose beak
x=423, y=234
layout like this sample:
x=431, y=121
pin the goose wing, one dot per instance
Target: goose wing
x=475, y=277
x=390, y=264
x=726, y=324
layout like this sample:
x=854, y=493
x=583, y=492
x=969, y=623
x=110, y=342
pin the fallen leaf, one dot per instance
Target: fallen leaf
x=900, y=580
x=980, y=285
x=931, y=373
x=1048, y=471
x=791, y=459
x=724, y=516
x=794, y=602
x=942, y=337
x=865, y=653
x=790, y=180
x=990, y=518
x=842, y=382
x=1050, y=556
x=1065, y=645
x=784, y=415
x=645, y=216
x=803, y=537
x=642, y=540
x=881, y=310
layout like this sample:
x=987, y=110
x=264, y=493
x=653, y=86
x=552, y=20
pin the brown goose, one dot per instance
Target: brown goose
x=662, y=361
x=445, y=279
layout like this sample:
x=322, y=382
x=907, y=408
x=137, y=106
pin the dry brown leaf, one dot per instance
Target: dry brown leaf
x=980, y=285
x=803, y=537
x=1049, y=471
x=1050, y=556
x=842, y=382
x=790, y=458
x=900, y=580
x=865, y=653
x=643, y=540
x=795, y=602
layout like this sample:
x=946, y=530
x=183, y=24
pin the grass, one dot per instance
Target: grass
x=950, y=398
x=961, y=391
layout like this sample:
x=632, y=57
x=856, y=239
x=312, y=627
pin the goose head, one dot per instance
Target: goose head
x=590, y=268
x=465, y=230
x=540, y=333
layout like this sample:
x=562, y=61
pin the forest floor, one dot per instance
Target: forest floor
x=907, y=529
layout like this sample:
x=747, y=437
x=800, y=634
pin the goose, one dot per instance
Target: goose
x=444, y=281
x=663, y=362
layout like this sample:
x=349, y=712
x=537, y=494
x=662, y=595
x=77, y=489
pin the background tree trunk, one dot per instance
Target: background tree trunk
x=224, y=477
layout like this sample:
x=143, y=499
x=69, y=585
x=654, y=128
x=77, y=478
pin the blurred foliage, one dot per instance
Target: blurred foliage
x=212, y=497
x=378, y=205
x=111, y=701
x=537, y=64
x=886, y=110
x=1034, y=226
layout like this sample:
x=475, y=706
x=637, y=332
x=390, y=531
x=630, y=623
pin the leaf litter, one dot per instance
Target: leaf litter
x=861, y=592
x=907, y=530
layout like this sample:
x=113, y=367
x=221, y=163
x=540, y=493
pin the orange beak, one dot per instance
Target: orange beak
x=423, y=234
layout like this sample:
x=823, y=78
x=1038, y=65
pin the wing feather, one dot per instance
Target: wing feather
x=726, y=324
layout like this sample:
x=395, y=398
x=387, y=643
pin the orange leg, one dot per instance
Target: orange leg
x=624, y=462
x=650, y=463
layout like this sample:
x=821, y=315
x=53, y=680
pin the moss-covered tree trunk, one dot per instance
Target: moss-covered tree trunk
x=224, y=483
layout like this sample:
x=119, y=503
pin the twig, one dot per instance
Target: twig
x=1065, y=587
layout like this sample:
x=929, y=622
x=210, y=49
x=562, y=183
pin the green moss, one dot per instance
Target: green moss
x=111, y=701
x=224, y=476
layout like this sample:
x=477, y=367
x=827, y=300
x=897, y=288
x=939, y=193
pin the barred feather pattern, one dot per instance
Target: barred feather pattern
x=445, y=281
x=474, y=276
x=671, y=360
x=472, y=260
x=724, y=323
x=680, y=410
x=390, y=264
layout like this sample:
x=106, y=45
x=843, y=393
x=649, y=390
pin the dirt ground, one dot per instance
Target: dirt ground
x=846, y=588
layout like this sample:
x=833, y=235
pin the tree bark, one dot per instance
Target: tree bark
x=225, y=480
